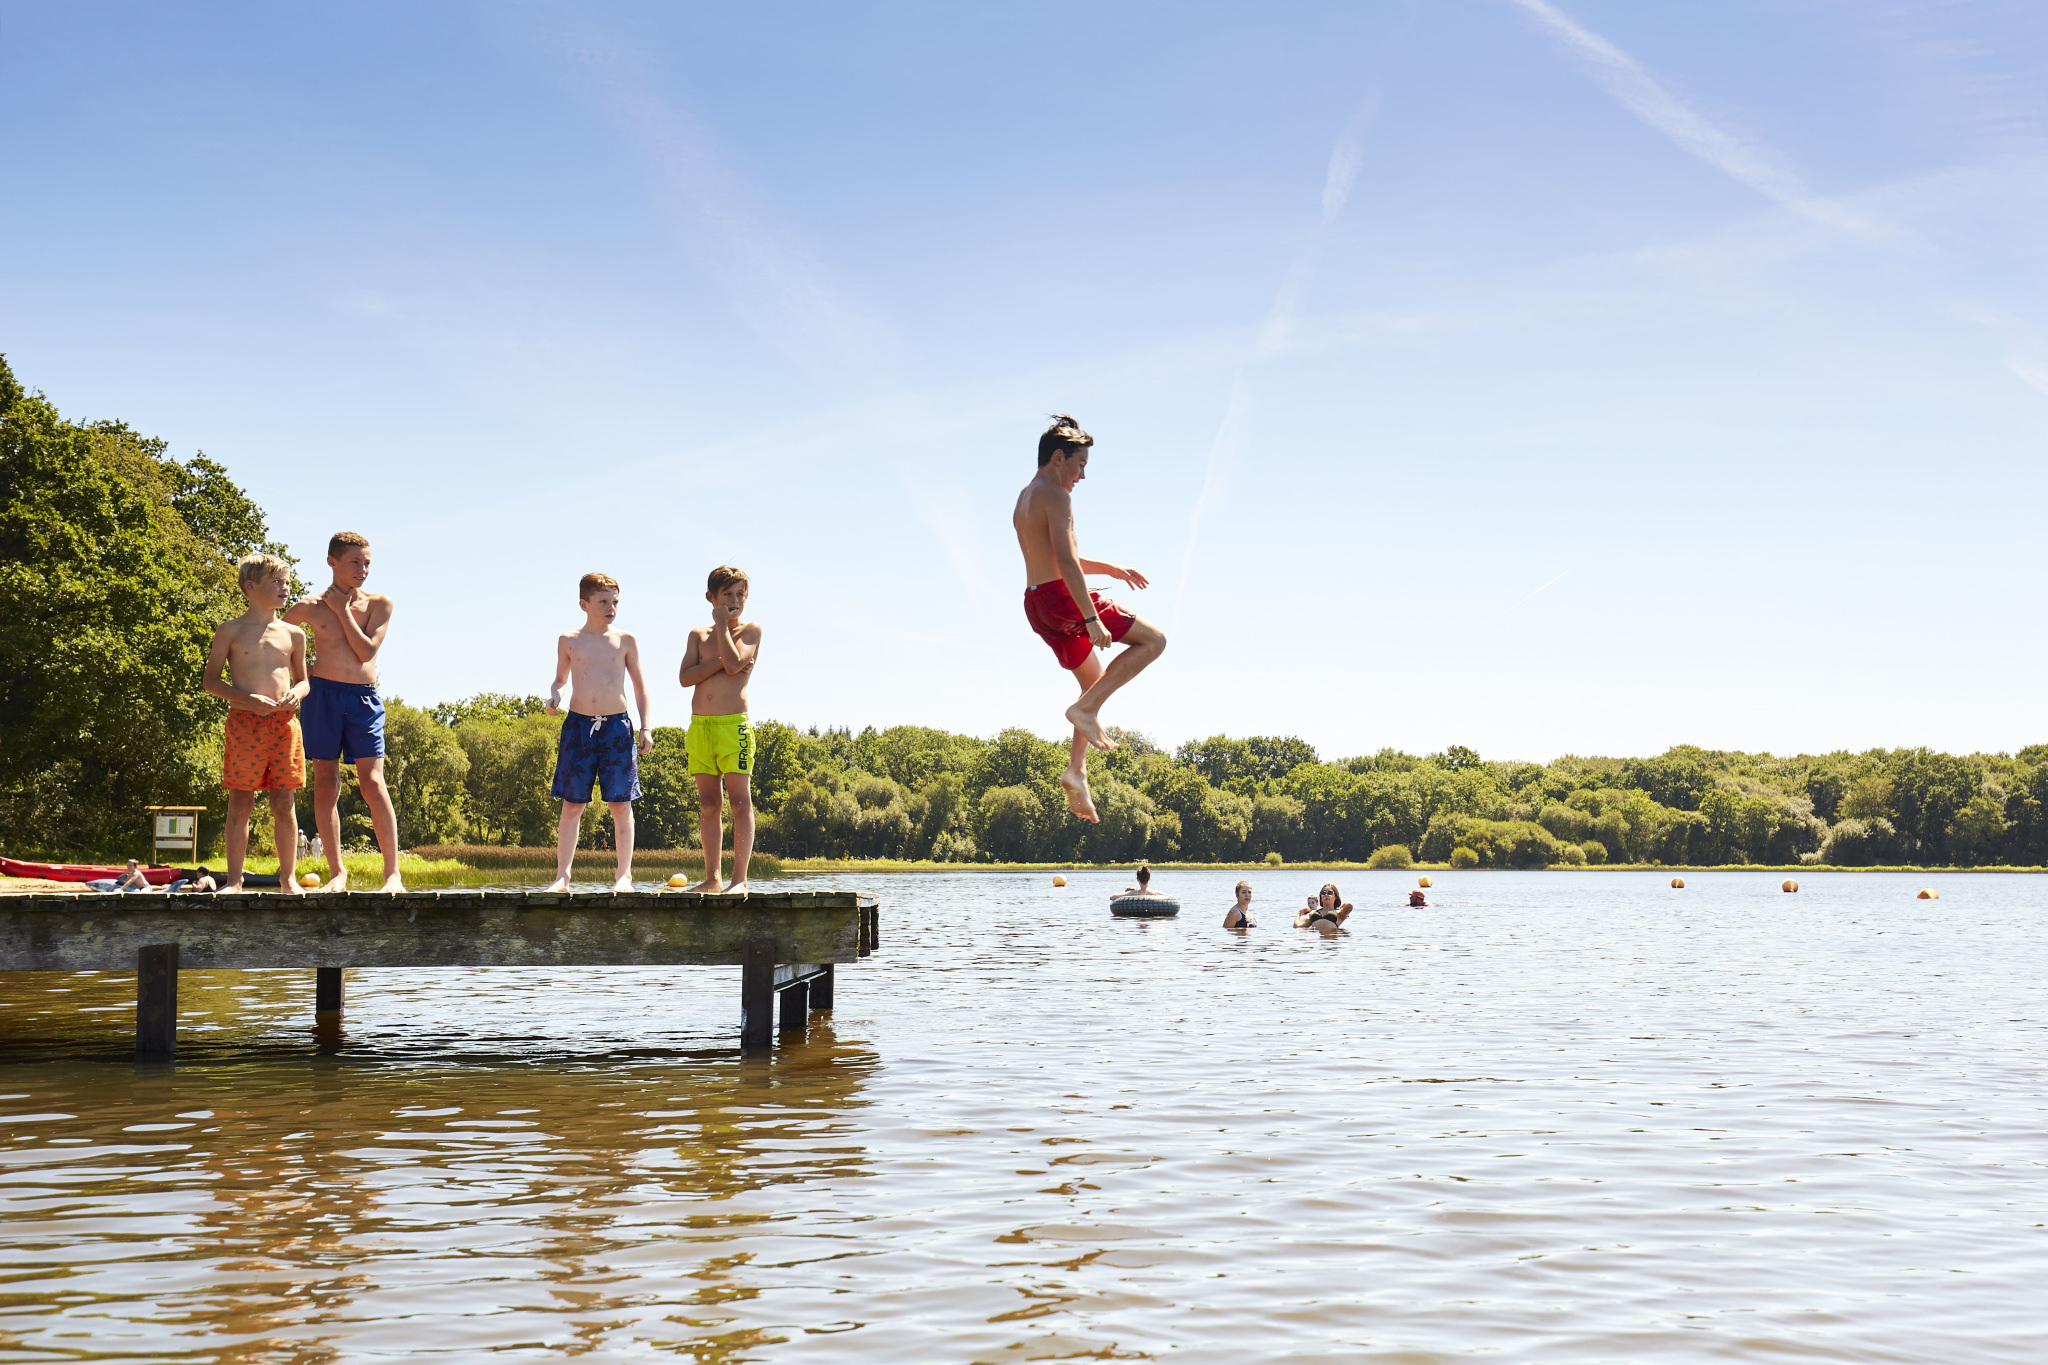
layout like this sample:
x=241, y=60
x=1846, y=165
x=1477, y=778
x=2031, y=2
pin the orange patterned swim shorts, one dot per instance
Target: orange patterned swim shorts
x=264, y=753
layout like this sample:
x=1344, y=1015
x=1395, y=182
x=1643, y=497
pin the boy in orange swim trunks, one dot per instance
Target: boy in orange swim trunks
x=1053, y=603
x=264, y=751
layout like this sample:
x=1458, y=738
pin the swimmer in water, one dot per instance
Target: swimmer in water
x=1239, y=916
x=1325, y=912
x=1144, y=886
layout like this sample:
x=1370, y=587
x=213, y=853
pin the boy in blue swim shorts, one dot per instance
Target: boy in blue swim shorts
x=717, y=661
x=342, y=717
x=598, y=746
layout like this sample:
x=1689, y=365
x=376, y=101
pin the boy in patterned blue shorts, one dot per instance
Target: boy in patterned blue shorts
x=598, y=743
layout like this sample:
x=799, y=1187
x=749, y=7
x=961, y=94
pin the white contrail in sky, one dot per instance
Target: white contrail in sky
x=1533, y=594
x=775, y=281
x=1760, y=167
x=1338, y=179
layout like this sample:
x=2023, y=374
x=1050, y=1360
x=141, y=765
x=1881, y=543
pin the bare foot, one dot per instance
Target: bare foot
x=392, y=885
x=1075, y=785
x=289, y=885
x=624, y=883
x=736, y=889
x=1089, y=726
x=560, y=883
x=231, y=889
x=338, y=883
x=710, y=886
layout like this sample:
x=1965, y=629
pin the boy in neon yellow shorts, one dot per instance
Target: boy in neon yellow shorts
x=717, y=662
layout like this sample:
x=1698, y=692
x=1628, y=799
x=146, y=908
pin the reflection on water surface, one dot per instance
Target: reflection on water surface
x=1567, y=1117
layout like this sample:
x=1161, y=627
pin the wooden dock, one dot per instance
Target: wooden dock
x=785, y=943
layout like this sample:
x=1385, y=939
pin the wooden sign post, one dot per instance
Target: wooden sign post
x=174, y=829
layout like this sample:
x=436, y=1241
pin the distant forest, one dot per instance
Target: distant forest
x=914, y=793
x=117, y=560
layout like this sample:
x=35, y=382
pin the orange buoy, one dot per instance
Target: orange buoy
x=1927, y=895
x=309, y=879
x=1422, y=881
x=1059, y=881
x=1678, y=883
x=678, y=879
x=1789, y=886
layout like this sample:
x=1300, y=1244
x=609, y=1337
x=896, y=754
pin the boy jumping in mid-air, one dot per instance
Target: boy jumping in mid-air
x=597, y=742
x=1053, y=566
x=717, y=662
x=264, y=752
x=343, y=718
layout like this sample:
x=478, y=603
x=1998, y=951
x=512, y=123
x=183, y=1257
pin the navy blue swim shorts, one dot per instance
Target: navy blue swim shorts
x=342, y=720
x=596, y=749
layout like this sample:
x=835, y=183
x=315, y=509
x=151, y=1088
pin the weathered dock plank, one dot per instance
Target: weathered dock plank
x=784, y=942
x=428, y=929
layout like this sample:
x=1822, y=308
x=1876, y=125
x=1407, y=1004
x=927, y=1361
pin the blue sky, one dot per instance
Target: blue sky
x=1578, y=377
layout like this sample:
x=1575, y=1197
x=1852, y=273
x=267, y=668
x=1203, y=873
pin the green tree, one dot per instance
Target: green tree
x=108, y=598
x=511, y=768
x=427, y=770
x=1676, y=782
x=1007, y=825
x=665, y=816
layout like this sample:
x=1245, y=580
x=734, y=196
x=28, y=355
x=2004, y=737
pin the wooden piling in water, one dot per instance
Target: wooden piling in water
x=156, y=1002
x=757, y=996
x=796, y=1007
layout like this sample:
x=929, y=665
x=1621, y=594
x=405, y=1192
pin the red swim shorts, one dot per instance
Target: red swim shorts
x=1050, y=609
x=263, y=753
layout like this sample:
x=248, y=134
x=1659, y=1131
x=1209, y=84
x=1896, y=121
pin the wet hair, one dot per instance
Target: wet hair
x=1144, y=875
x=591, y=584
x=1330, y=887
x=1064, y=434
x=259, y=566
x=723, y=577
x=341, y=542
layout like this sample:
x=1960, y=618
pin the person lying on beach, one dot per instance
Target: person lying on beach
x=1325, y=911
x=131, y=880
x=1239, y=916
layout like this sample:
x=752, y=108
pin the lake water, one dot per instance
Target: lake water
x=1566, y=1117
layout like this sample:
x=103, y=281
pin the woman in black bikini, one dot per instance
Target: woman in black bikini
x=1239, y=916
x=1328, y=913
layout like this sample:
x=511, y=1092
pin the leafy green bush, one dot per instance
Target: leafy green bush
x=1462, y=858
x=1595, y=851
x=1394, y=856
x=1273, y=860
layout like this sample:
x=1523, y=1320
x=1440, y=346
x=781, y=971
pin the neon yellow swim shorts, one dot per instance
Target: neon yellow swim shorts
x=720, y=744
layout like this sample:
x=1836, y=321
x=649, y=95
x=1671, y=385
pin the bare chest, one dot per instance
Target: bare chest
x=260, y=651
x=597, y=655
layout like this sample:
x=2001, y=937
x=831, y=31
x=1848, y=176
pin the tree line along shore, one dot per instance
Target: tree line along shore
x=117, y=560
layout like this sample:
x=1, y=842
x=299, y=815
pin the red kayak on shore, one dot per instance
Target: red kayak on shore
x=82, y=872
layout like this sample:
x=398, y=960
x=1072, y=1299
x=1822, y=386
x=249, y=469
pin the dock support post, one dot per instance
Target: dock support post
x=327, y=990
x=796, y=1007
x=821, y=990
x=757, y=996
x=156, y=1002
